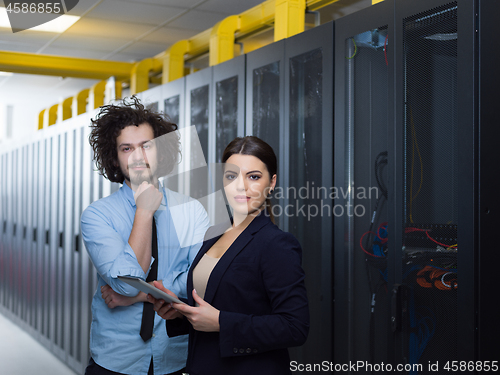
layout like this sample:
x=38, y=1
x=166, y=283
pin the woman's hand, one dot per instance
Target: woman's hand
x=204, y=317
x=163, y=309
x=114, y=299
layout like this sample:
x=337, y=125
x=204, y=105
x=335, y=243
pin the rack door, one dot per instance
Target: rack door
x=265, y=102
x=363, y=68
x=307, y=176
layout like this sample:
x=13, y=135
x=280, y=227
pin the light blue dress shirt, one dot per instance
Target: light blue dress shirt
x=115, y=343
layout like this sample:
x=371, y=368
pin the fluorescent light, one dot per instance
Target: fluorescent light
x=58, y=25
x=5, y=73
x=4, y=18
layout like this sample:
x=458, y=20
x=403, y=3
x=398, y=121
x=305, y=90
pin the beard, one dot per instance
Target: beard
x=137, y=177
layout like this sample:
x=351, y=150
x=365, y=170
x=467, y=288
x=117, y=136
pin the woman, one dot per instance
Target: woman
x=247, y=300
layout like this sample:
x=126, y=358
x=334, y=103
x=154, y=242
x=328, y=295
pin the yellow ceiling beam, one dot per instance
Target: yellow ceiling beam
x=257, y=18
x=139, y=77
x=173, y=61
x=64, y=110
x=313, y=5
x=96, y=95
x=222, y=40
x=289, y=18
x=41, y=117
x=376, y=1
x=198, y=45
x=50, y=116
x=118, y=90
x=80, y=102
x=30, y=63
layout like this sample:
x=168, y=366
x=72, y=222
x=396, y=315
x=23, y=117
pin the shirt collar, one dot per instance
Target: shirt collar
x=129, y=193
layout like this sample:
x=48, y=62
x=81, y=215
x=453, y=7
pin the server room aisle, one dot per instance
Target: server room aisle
x=22, y=354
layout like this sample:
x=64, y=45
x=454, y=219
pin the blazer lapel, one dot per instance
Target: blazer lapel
x=225, y=261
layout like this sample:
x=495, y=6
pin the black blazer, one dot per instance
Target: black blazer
x=258, y=286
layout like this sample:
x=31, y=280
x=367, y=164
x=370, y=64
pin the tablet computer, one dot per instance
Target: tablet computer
x=149, y=289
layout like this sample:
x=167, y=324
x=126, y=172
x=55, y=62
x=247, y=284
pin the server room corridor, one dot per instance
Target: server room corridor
x=21, y=354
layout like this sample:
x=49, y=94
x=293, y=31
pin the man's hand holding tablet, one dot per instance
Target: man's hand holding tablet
x=159, y=294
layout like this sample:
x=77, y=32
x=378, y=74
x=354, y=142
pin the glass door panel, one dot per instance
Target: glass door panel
x=361, y=209
x=430, y=179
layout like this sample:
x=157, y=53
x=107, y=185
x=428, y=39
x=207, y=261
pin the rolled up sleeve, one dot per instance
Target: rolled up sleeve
x=111, y=255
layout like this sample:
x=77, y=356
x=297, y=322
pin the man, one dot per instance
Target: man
x=135, y=146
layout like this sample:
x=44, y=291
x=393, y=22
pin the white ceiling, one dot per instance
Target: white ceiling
x=119, y=30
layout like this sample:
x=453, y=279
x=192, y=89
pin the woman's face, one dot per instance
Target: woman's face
x=247, y=183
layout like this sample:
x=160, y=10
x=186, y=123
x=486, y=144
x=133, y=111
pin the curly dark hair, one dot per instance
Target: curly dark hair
x=108, y=124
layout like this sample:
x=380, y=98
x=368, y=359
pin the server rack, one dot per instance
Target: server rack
x=227, y=122
x=265, y=71
x=69, y=245
x=289, y=104
x=363, y=66
x=60, y=245
x=433, y=131
x=228, y=113
x=151, y=98
x=488, y=203
x=198, y=111
x=94, y=186
x=173, y=96
x=306, y=155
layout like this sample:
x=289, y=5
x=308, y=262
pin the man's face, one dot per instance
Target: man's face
x=137, y=155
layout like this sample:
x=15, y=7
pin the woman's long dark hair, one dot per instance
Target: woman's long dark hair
x=254, y=146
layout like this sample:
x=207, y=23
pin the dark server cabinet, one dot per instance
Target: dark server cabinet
x=427, y=188
x=363, y=67
x=413, y=119
x=173, y=101
x=173, y=96
x=487, y=207
x=227, y=123
x=228, y=114
x=289, y=105
x=198, y=115
x=307, y=176
x=265, y=95
x=265, y=85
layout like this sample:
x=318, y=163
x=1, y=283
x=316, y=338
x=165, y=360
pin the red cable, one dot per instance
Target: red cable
x=439, y=243
x=361, y=244
x=382, y=240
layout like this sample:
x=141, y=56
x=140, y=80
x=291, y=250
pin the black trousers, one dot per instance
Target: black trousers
x=94, y=369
